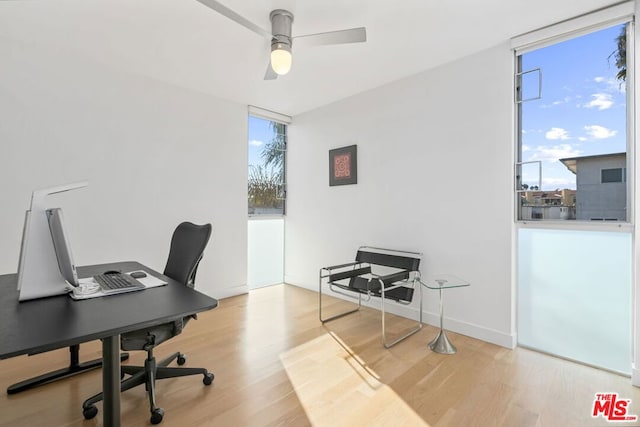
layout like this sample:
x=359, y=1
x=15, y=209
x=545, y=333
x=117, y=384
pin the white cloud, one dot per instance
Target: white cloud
x=565, y=100
x=256, y=143
x=599, y=132
x=557, y=133
x=526, y=131
x=554, y=153
x=601, y=101
x=611, y=84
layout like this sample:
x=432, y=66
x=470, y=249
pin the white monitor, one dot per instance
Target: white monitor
x=62, y=247
x=39, y=274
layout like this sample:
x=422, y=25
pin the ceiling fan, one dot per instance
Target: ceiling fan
x=281, y=39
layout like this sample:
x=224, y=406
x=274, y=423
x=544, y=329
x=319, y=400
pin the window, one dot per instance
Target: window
x=572, y=114
x=572, y=120
x=611, y=175
x=267, y=166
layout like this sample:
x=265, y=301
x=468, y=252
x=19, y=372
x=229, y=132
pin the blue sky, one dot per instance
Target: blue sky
x=583, y=107
x=259, y=134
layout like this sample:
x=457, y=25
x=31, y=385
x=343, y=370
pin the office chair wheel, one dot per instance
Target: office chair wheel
x=182, y=359
x=156, y=415
x=89, y=412
x=208, y=378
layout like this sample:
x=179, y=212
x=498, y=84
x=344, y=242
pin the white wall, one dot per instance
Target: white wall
x=154, y=154
x=435, y=156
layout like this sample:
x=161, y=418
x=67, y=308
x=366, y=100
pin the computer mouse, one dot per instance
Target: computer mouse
x=138, y=274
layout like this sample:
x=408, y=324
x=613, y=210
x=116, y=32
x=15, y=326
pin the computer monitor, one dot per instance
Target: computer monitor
x=39, y=274
x=62, y=246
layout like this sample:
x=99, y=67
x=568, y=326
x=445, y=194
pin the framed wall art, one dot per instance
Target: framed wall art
x=343, y=165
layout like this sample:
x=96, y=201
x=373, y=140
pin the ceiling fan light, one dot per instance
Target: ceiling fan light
x=281, y=58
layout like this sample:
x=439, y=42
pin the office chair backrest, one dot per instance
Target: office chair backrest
x=187, y=246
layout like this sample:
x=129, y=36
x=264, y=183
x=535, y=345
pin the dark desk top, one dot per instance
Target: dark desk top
x=46, y=324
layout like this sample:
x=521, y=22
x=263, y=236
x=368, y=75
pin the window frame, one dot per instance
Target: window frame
x=285, y=120
x=554, y=34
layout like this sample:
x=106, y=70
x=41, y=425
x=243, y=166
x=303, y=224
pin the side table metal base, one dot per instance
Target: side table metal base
x=441, y=344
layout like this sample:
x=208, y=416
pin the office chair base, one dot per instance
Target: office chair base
x=89, y=412
x=208, y=378
x=139, y=375
x=157, y=415
x=74, y=368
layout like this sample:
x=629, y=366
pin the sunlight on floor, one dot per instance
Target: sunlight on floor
x=336, y=388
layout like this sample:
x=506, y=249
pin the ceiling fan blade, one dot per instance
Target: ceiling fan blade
x=353, y=35
x=224, y=10
x=270, y=74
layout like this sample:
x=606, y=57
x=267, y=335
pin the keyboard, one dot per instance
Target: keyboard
x=117, y=283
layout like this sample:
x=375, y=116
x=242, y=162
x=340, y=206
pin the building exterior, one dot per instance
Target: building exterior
x=557, y=204
x=601, y=186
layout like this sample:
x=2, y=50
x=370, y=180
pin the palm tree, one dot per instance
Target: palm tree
x=620, y=54
x=273, y=151
x=263, y=188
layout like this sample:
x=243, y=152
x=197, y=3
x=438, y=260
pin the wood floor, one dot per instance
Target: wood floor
x=277, y=365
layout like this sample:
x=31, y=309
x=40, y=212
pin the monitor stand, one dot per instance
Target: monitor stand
x=39, y=276
x=38, y=270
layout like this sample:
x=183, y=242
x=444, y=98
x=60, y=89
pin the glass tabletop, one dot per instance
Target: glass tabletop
x=443, y=281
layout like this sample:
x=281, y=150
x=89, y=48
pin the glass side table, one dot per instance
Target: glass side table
x=441, y=343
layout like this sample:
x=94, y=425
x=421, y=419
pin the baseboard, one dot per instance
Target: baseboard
x=231, y=292
x=475, y=331
x=465, y=328
x=635, y=375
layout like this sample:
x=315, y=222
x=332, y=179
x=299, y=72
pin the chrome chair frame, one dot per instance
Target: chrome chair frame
x=335, y=273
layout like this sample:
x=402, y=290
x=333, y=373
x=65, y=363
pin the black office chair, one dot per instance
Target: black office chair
x=187, y=246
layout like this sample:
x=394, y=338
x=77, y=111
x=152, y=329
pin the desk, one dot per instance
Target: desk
x=46, y=324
